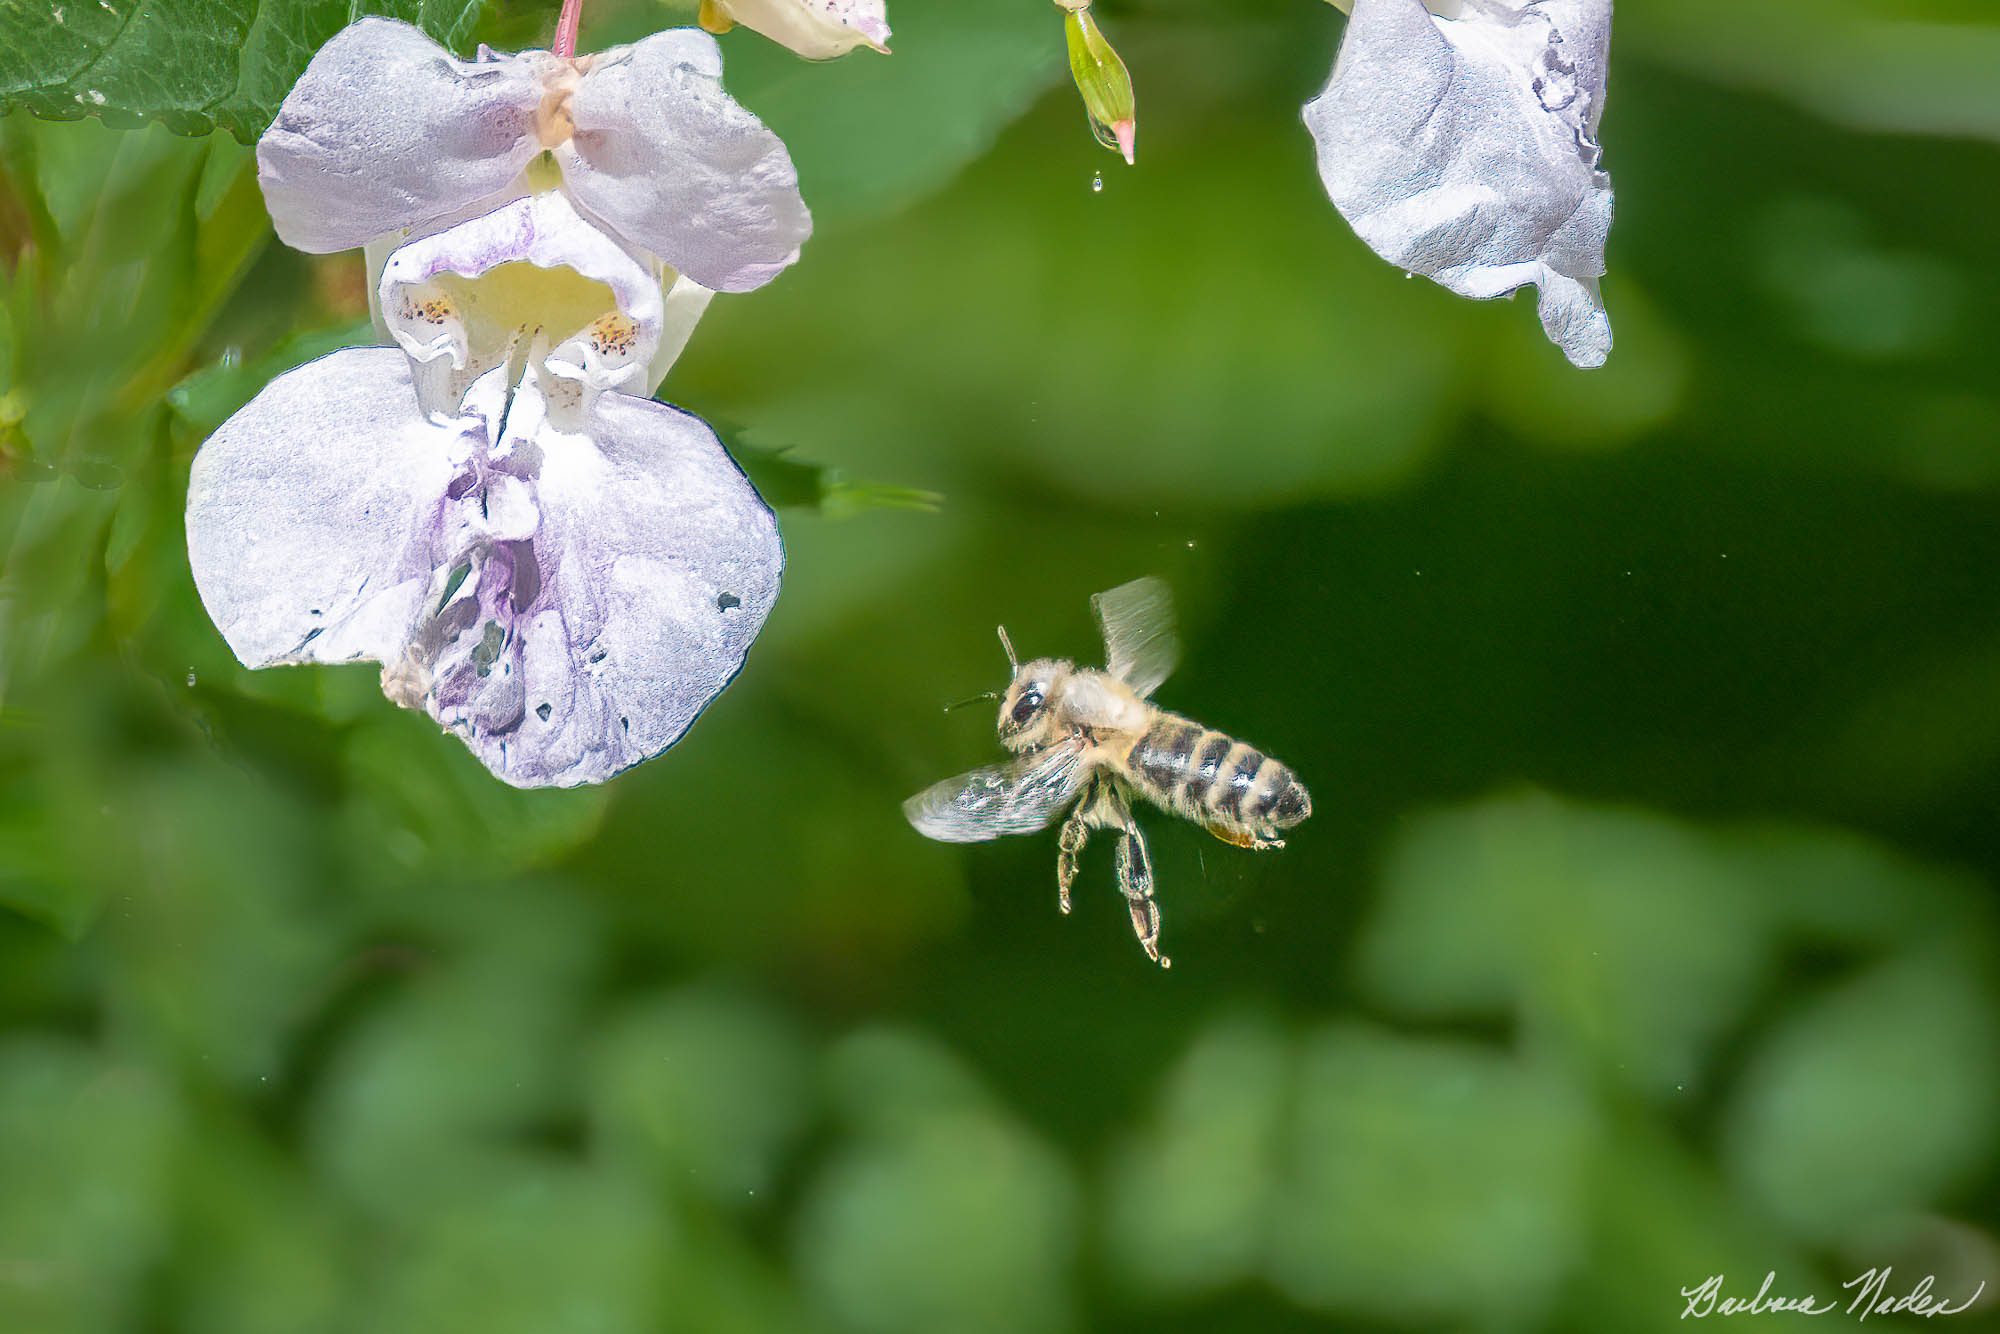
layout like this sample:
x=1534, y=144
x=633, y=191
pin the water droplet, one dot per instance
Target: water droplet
x=232, y=357
x=191, y=678
x=1097, y=183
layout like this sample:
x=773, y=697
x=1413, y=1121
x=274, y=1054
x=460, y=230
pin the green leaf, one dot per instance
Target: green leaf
x=266, y=1256
x=192, y=65
x=531, y=1246
x=85, y=1148
x=1875, y=1100
x=1190, y=1198
x=706, y=1088
x=1436, y=1184
x=1904, y=66
x=787, y=482
x=953, y=1217
x=432, y=1090
x=1624, y=937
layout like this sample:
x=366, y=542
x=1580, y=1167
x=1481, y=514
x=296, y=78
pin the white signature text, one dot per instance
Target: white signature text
x=1870, y=1295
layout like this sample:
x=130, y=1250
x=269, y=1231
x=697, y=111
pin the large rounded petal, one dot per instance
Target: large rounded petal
x=816, y=29
x=1465, y=149
x=651, y=569
x=664, y=157
x=387, y=131
x=312, y=513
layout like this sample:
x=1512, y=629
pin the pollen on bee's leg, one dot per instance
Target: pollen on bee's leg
x=1070, y=844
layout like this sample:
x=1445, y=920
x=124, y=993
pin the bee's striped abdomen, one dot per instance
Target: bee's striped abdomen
x=1211, y=777
x=1161, y=759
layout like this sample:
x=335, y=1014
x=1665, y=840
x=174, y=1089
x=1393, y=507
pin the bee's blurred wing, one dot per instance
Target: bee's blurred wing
x=1016, y=798
x=1140, y=647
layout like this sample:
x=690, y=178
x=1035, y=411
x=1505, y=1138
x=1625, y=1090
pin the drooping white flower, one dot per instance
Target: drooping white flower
x=387, y=135
x=563, y=578
x=554, y=567
x=1460, y=141
x=816, y=29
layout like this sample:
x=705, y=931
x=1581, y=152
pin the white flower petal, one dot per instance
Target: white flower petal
x=566, y=602
x=386, y=131
x=309, y=511
x=686, y=302
x=575, y=300
x=664, y=158
x=1465, y=149
x=651, y=569
x=816, y=29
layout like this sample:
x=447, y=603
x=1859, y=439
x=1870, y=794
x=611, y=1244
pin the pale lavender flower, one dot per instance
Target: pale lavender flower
x=556, y=568
x=1460, y=141
x=387, y=136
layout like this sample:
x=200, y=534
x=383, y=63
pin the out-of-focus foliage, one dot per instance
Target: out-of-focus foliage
x=193, y=65
x=1645, y=929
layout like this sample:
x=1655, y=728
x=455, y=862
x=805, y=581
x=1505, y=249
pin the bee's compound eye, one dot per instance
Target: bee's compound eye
x=1028, y=705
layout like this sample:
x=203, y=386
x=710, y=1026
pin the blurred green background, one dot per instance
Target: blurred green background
x=1645, y=930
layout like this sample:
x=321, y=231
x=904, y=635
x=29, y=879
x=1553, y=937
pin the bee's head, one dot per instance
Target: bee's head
x=1028, y=706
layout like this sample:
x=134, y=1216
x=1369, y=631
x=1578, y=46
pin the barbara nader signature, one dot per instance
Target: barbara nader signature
x=1871, y=1296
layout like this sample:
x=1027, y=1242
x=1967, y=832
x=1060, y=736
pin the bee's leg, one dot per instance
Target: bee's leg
x=1096, y=809
x=1075, y=833
x=1135, y=877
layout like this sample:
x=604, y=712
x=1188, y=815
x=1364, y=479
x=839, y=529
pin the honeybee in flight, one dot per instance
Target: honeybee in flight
x=1088, y=740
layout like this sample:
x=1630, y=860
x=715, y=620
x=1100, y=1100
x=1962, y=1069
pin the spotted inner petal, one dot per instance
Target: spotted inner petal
x=532, y=286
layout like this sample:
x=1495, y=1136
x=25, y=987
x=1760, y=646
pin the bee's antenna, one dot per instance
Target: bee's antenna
x=1013, y=663
x=976, y=699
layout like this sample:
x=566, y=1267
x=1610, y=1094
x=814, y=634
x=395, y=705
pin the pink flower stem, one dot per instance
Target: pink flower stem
x=572, y=14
